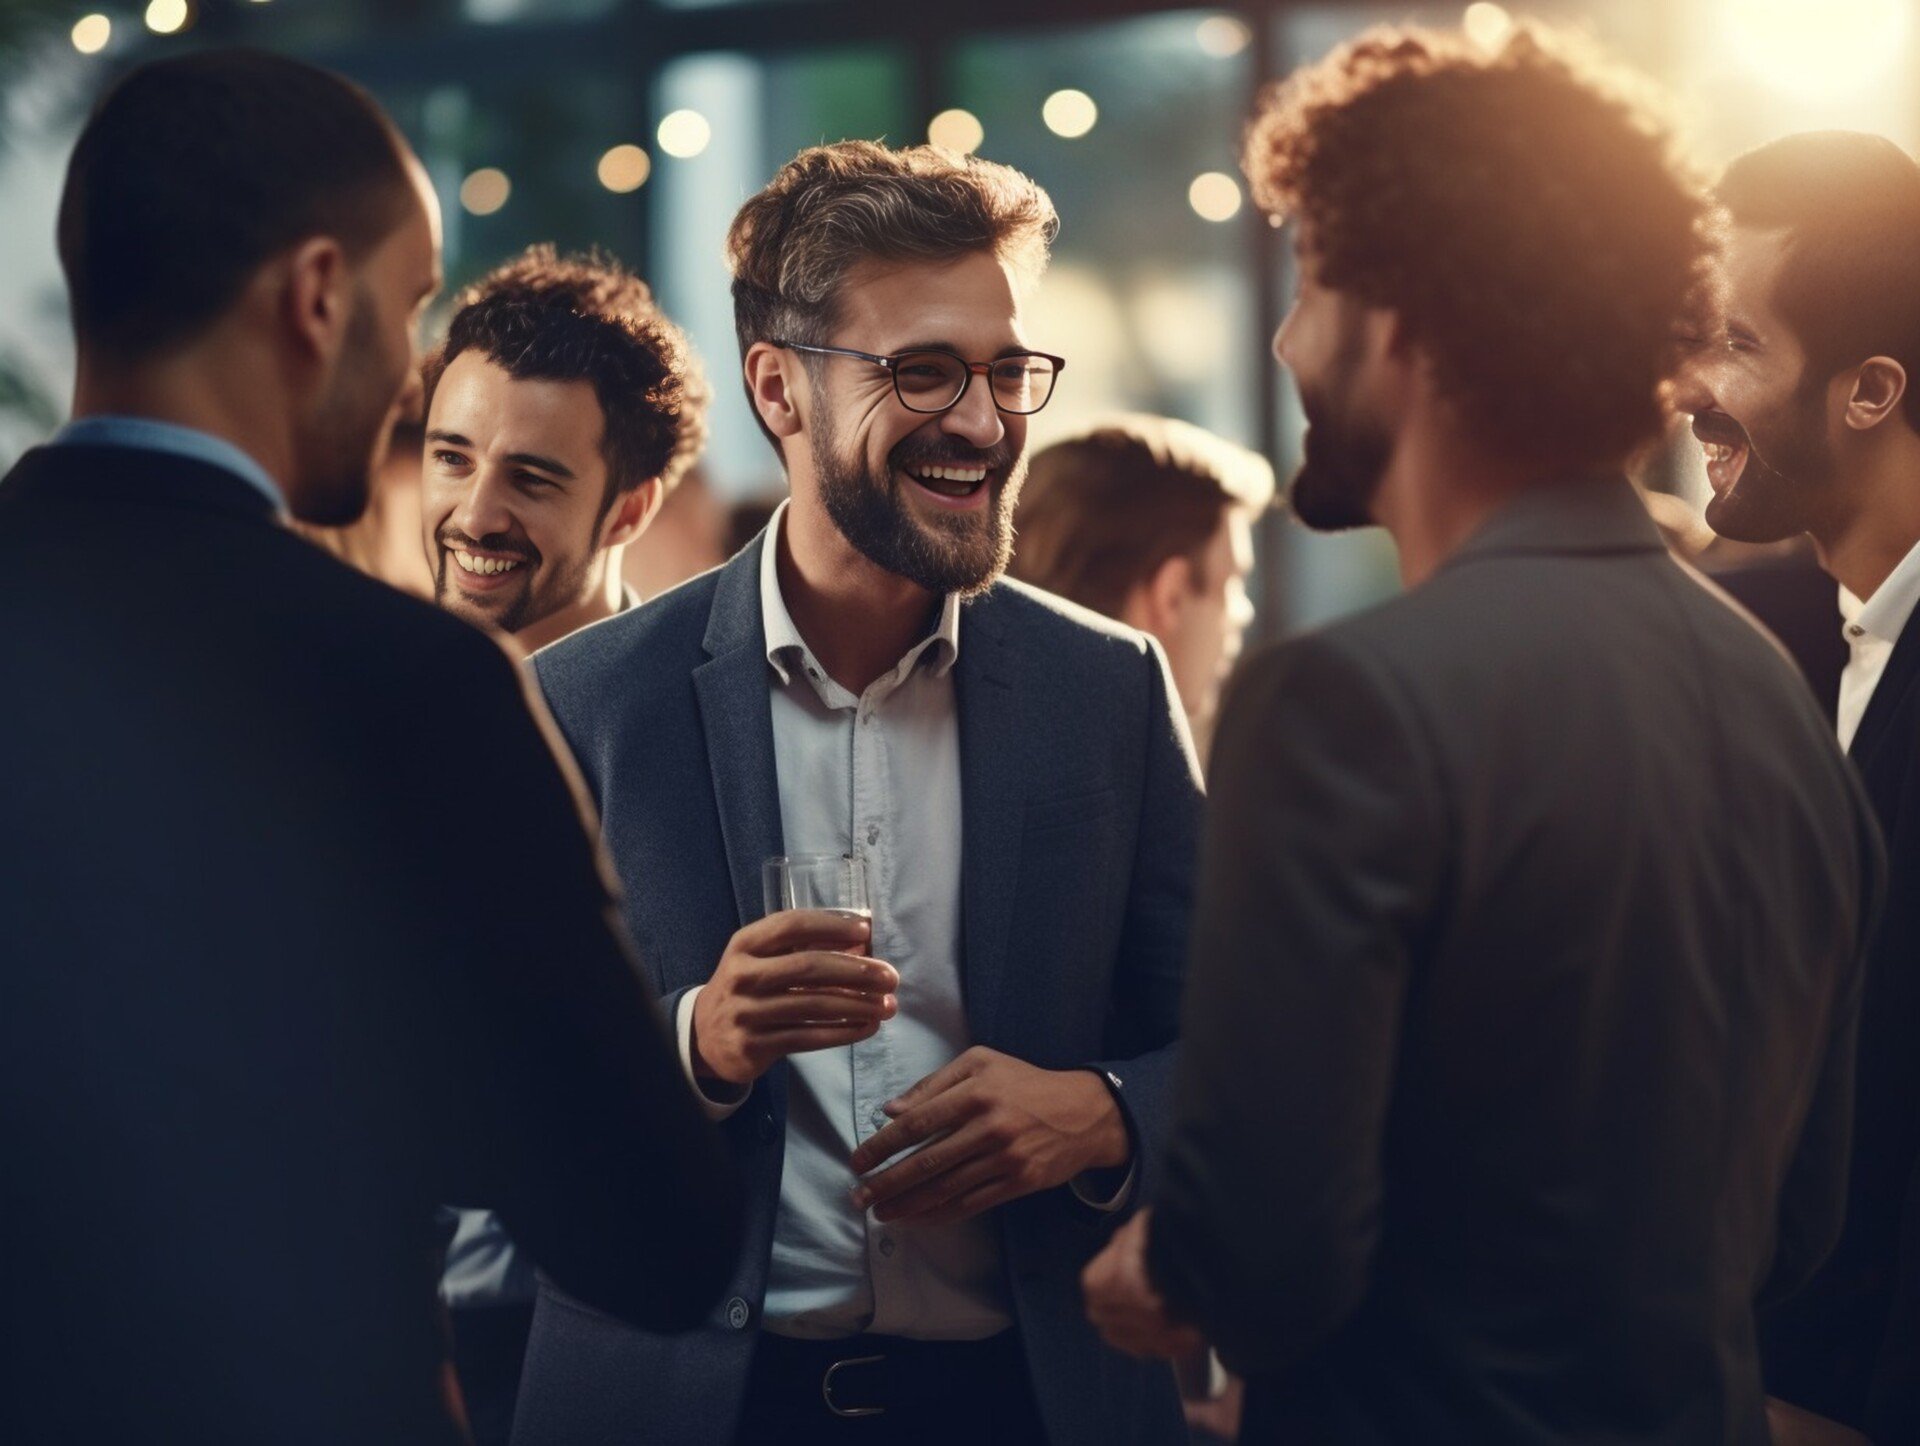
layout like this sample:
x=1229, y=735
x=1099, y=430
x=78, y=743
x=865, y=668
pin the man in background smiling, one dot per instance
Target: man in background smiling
x=561, y=409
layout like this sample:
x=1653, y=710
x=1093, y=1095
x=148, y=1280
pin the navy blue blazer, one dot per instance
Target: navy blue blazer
x=1081, y=809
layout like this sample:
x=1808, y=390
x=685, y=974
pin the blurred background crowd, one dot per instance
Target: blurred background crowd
x=640, y=125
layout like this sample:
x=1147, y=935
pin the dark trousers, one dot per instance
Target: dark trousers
x=885, y=1391
x=489, y=1348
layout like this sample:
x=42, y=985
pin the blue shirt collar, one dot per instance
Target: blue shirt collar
x=170, y=437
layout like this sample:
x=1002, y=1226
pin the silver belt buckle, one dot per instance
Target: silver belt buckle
x=826, y=1389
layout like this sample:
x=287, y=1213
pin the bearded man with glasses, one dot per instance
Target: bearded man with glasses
x=943, y=1113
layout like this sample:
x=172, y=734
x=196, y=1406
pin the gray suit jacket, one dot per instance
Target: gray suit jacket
x=1519, y=1047
x=1081, y=813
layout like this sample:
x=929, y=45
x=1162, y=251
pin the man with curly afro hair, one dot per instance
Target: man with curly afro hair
x=1518, y=1039
x=561, y=409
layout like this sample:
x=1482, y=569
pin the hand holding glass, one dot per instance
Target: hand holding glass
x=830, y=883
x=794, y=981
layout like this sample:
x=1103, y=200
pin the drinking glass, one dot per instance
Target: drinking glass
x=836, y=883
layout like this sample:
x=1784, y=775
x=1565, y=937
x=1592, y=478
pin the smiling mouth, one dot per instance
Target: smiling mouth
x=955, y=483
x=1725, y=462
x=484, y=566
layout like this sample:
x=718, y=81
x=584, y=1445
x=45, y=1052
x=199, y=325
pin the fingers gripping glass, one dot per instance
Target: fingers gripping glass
x=934, y=381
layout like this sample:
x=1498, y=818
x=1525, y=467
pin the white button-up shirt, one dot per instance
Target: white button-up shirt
x=1871, y=628
x=877, y=775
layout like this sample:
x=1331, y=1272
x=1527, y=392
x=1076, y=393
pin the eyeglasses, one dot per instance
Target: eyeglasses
x=933, y=380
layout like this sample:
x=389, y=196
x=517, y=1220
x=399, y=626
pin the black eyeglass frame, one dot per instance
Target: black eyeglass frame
x=891, y=364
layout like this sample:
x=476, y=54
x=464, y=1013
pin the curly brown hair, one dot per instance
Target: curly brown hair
x=1525, y=210
x=585, y=317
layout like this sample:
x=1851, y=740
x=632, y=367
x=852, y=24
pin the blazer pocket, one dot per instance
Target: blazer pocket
x=1074, y=811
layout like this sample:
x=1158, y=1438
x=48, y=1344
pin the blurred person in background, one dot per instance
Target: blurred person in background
x=934, y=1149
x=1149, y=520
x=250, y=1034
x=561, y=408
x=1807, y=401
x=688, y=536
x=1517, y=1054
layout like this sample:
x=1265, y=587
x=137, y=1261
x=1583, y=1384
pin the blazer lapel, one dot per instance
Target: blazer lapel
x=992, y=806
x=734, y=711
x=1903, y=669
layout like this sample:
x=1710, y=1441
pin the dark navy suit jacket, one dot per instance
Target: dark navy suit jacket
x=1080, y=816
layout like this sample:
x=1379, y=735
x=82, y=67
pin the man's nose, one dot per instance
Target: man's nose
x=1240, y=609
x=975, y=417
x=483, y=510
x=1283, y=338
x=1691, y=392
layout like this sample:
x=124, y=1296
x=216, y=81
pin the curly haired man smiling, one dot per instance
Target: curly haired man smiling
x=1518, y=1046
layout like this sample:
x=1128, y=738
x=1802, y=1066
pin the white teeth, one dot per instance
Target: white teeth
x=955, y=474
x=484, y=566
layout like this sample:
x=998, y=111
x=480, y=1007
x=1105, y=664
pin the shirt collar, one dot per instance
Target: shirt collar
x=1885, y=614
x=153, y=435
x=941, y=646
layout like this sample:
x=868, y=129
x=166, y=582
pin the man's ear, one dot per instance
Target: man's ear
x=1156, y=603
x=316, y=298
x=1878, y=388
x=633, y=512
x=771, y=377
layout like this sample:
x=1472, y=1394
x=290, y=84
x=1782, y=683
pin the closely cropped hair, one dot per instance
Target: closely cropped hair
x=831, y=207
x=547, y=317
x=1850, y=285
x=1103, y=510
x=192, y=172
x=1524, y=211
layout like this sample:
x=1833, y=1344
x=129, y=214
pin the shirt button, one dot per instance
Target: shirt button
x=886, y=1245
x=738, y=1313
x=873, y=833
x=880, y=1118
x=866, y=720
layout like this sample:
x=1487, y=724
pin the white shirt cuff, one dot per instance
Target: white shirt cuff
x=1114, y=1201
x=718, y=1098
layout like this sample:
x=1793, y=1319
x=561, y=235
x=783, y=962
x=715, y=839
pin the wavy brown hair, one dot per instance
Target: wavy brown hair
x=831, y=207
x=1525, y=210
x=587, y=318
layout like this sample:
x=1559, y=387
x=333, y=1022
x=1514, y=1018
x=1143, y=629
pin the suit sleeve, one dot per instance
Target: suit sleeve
x=1152, y=964
x=568, y=1113
x=1321, y=865
x=1813, y=1197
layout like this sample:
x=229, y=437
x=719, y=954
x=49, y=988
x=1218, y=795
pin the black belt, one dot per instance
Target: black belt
x=860, y=1377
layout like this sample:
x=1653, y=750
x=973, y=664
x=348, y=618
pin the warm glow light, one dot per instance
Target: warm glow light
x=956, y=130
x=1487, y=26
x=1070, y=113
x=164, y=17
x=91, y=34
x=485, y=191
x=1816, y=52
x=685, y=134
x=625, y=168
x=1223, y=35
x=1214, y=196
